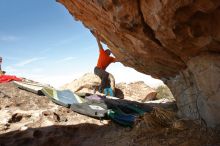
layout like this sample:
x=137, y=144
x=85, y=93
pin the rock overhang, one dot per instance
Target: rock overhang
x=161, y=38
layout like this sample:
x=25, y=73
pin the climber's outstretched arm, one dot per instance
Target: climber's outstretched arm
x=98, y=40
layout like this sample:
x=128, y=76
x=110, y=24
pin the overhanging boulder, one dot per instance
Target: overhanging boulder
x=176, y=41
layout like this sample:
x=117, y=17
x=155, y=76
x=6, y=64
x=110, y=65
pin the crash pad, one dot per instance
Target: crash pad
x=8, y=78
x=91, y=108
x=95, y=97
x=30, y=87
x=122, y=118
x=62, y=97
x=128, y=107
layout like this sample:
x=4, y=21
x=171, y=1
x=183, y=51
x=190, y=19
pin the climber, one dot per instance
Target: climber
x=103, y=61
x=1, y=72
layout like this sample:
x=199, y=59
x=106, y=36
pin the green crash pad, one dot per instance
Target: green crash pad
x=62, y=97
x=122, y=118
x=30, y=87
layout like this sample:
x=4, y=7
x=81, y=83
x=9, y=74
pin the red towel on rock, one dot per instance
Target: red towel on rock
x=8, y=78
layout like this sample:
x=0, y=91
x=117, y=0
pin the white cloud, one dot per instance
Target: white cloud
x=11, y=58
x=65, y=41
x=66, y=59
x=37, y=70
x=45, y=50
x=28, y=61
x=8, y=38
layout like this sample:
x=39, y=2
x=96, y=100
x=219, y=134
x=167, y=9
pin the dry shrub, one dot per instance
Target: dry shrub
x=164, y=92
x=164, y=117
x=156, y=119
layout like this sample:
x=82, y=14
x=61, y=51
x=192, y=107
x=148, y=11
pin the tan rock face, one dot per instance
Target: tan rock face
x=88, y=83
x=198, y=90
x=137, y=91
x=157, y=37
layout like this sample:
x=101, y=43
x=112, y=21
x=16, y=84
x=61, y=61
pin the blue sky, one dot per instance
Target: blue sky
x=40, y=40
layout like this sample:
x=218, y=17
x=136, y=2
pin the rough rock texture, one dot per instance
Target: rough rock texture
x=138, y=91
x=198, y=89
x=30, y=120
x=163, y=38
